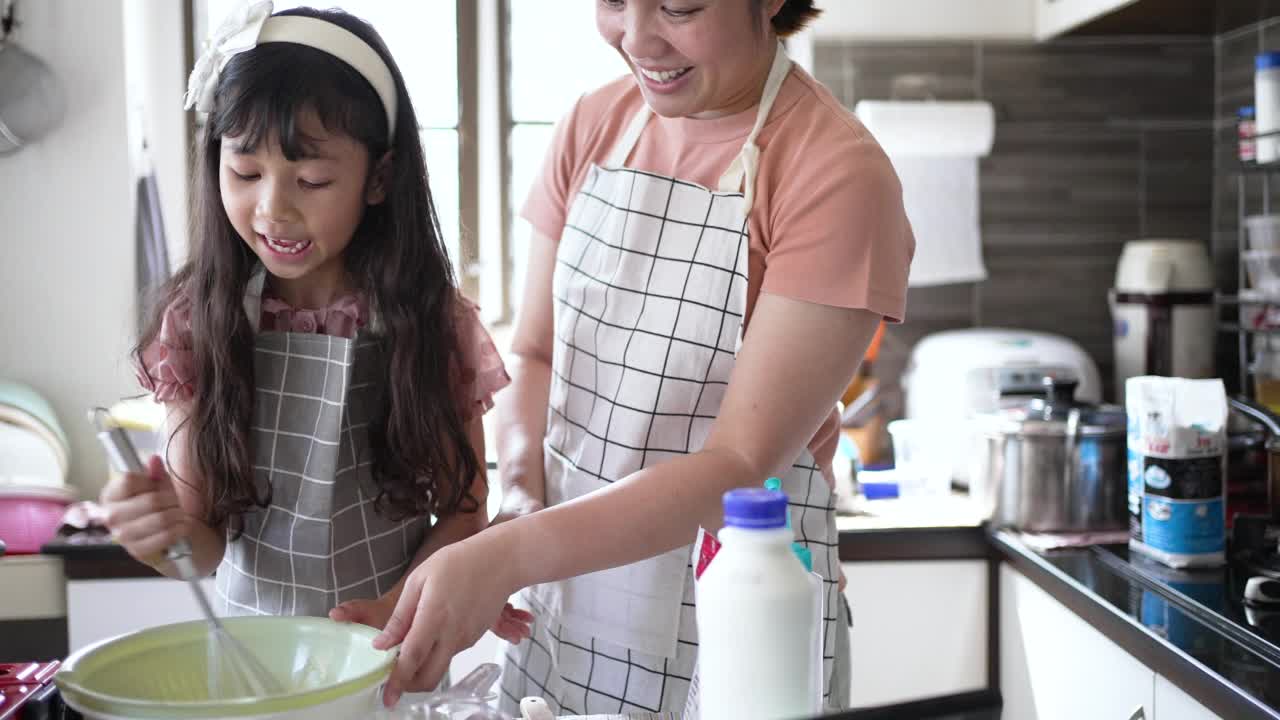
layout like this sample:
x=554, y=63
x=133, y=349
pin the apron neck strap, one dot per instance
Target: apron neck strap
x=253, y=296
x=622, y=150
x=253, y=302
x=741, y=174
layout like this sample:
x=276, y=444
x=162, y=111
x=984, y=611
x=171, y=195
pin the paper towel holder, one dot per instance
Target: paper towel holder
x=915, y=86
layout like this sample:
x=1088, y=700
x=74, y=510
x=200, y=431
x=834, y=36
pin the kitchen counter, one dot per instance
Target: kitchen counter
x=1188, y=627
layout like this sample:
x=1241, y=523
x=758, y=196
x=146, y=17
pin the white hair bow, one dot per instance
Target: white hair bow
x=239, y=32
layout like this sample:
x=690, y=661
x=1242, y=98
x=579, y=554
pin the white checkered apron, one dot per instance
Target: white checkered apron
x=319, y=542
x=650, y=293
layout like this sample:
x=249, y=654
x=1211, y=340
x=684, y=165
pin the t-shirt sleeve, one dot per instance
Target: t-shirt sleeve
x=839, y=235
x=547, y=205
x=166, y=367
x=478, y=371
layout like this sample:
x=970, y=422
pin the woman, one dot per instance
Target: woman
x=717, y=188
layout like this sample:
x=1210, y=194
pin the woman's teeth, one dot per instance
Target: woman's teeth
x=287, y=247
x=664, y=76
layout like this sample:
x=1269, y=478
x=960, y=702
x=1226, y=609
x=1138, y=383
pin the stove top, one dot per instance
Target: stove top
x=27, y=692
x=1212, y=592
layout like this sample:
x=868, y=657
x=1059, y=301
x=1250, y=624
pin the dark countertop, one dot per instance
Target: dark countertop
x=95, y=557
x=1189, y=626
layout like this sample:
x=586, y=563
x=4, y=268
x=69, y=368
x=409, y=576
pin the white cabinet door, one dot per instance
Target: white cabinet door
x=99, y=609
x=919, y=629
x=1055, y=17
x=1174, y=704
x=1055, y=666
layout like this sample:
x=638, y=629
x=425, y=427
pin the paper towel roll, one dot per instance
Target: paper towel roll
x=929, y=128
x=940, y=195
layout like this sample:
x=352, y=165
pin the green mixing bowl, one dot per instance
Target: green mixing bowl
x=328, y=669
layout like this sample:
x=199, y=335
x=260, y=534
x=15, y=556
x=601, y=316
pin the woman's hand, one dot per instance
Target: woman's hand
x=448, y=602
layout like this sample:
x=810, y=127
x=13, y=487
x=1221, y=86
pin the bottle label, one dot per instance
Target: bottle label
x=705, y=548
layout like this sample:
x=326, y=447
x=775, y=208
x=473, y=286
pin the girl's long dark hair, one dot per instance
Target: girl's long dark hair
x=422, y=459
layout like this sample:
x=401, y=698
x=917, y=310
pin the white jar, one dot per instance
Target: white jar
x=759, y=618
x=1266, y=90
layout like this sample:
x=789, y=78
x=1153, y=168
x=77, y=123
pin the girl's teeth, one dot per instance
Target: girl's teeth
x=665, y=75
x=292, y=248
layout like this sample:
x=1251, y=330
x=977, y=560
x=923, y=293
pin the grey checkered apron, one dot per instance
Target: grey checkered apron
x=320, y=542
x=650, y=293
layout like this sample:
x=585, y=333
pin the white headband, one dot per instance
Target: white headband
x=252, y=25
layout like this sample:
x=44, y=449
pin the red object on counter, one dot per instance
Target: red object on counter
x=19, y=682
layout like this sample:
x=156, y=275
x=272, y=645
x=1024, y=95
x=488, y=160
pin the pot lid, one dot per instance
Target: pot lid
x=1057, y=413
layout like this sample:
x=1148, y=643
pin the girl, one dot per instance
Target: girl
x=324, y=380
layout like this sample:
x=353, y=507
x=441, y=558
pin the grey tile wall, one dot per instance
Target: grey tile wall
x=1097, y=142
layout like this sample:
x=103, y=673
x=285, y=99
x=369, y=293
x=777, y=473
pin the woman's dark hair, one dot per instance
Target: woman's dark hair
x=793, y=17
x=421, y=457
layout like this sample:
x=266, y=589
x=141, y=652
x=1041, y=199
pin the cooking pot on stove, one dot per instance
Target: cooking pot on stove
x=1052, y=464
x=1264, y=417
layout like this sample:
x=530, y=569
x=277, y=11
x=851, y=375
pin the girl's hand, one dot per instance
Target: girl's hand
x=447, y=604
x=516, y=504
x=373, y=613
x=143, y=513
x=512, y=625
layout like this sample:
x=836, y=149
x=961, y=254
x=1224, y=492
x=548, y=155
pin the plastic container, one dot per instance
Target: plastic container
x=1266, y=372
x=1264, y=269
x=1246, y=128
x=1266, y=100
x=920, y=471
x=30, y=516
x=1263, y=232
x=759, y=618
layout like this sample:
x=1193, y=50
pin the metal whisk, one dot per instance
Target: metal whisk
x=233, y=671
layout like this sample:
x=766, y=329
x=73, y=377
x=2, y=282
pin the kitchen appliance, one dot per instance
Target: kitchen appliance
x=1053, y=464
x=27, y=691
x=953, y=376
x=1271, y=422
x=1162, y=310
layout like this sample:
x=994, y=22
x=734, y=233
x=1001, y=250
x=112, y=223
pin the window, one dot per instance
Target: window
x=561, y=56
x=555, y=55
x=423, y=38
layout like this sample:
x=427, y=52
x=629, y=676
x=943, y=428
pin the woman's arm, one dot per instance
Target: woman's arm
x=795, y=361
x=522, y=408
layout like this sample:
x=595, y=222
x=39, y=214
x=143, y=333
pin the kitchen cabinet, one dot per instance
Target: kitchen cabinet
x=1057, y=17
x=1055, y=666
x=99, y=609
x=927, y=20
x=919, y=629
x=1174, y=704
x=32, y=588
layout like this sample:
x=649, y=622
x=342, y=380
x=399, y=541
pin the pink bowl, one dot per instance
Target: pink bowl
x=29, y=517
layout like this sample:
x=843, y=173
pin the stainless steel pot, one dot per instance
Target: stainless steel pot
x=1052, y=464
x=1268, y=420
